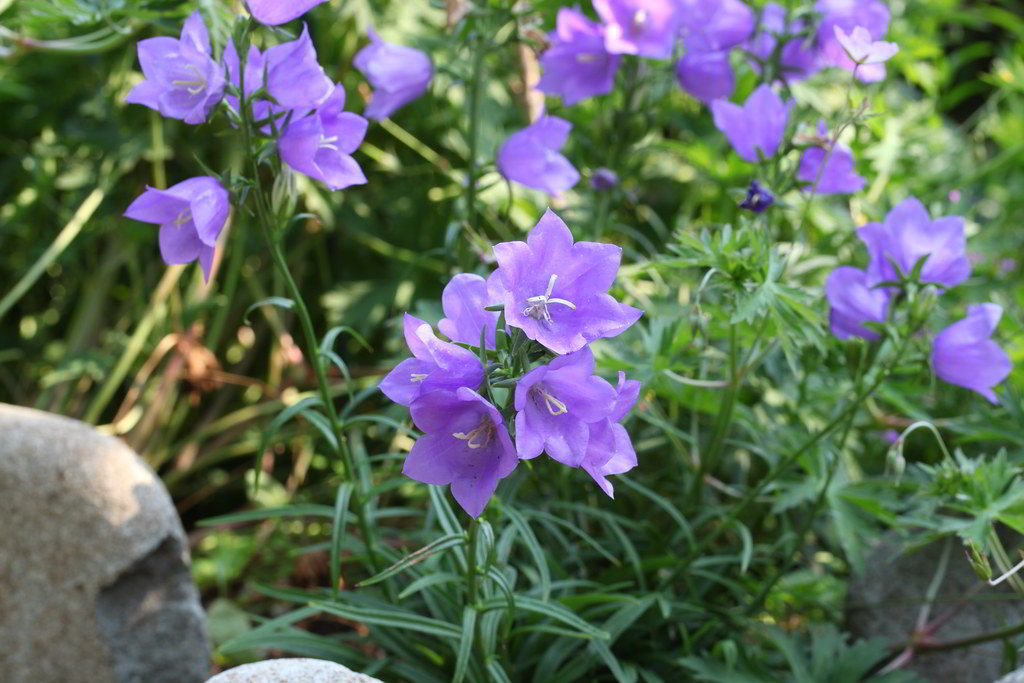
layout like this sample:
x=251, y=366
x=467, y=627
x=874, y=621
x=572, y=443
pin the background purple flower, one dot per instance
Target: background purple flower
x=464, y=300
x=465, y=445
x=758, y=124
x=604, y=179
x=706, y=75
x=853, y=302
x=531, y=156
x=435, y=366
x=640, y=27
x=860, y=47
x=190, y=215
x=397, y=73
x=758, y=197
x=577, y=65
x=964, y=353
x=907, y=235
x=839, y=175
x=799, y=60
x=556, y=291
x=609, y=448
x=182, y=79
x=273, y=12
x=321, y=144
x=556, y=402
x=714, y=25
x=873, y=15
x=294, y=76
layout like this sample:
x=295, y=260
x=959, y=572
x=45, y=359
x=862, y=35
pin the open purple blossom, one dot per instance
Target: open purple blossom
x=604, y=179
x=798, y=60
x=321, y=144
x=871, y=15
x=191, y=216
x=182, y=79
x=464, y=301
x=854, y=301
x=758, y=198
x=577, y=65
x=465, y=444
x=706, y=75
x=862, y=49
x=714, y=25
x=609, y=448
x=556, y=403
x=274, y=12
x=908, y=235
x=531, y=156
x=964, y=353
x=758, y=125
x=556, y=291
x=640, y=27
x=398, y=74
x=435, y=366
x=839, y=175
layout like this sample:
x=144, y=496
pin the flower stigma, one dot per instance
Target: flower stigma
x=194, y=87
x=417, y=376
x=639, y=20
x=478, y=437
x=554, y=406
x=537, y=306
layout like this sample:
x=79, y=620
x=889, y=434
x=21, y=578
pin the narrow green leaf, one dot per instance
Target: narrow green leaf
x=391, y=617
x=341, y=502
x=432, y=579
x=534, y=548
x=496, y=672
x=279, y=301
x=469, y=616
x=270, y=513
x=438, y=546
x=554, y=610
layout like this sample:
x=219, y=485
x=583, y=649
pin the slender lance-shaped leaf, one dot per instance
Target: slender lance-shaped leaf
x=438, y=546
x=533, y=546
x=338, y=531
x=391, y=617
x=469, y=616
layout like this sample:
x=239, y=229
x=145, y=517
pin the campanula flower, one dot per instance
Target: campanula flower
x=839, y=175
x=609, y=449
x=907, y=235
x=274, y=12
x=556, y=403
x=604, y=179
x=854, y=301
x=465, y=444
x=182, y=79
x=871, y=15
x=556, y=291
x=190, y=215
x=464, y=301
x=714, y=25
x=397, y=73
x=531, y=156
x=758, y=198
x=862, y=49
x=964, y=353
x=706, y=75
x=577, y=65
x=640, y=27
x=798, y=59
x=321, y=144
x=435, y=366
x=757, y=125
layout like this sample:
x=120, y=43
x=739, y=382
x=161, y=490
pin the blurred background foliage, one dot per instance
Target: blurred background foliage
x=94, y=326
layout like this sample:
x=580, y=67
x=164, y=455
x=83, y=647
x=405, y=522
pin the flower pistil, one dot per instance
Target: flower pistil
x=537, y=306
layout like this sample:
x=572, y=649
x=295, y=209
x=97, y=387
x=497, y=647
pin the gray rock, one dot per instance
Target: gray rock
x=1014, y=677
x=94, y=568
x=885, y=600
x=297, y=670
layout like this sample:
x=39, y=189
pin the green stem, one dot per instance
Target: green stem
x=474, y=134
x=709, y=459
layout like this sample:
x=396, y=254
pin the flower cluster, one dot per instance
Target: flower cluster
x=553, y=292
x=289, y=98
x=908, y=244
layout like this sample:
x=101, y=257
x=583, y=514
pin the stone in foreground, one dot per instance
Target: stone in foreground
x=292, y=671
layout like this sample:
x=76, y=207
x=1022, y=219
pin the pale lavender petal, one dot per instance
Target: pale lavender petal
x=464, y=300
x=273, y=12
x=964, y=355
x=294, y=76
x=854, y=302
x=706, y=75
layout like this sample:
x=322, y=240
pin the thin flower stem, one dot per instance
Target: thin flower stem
x=474, y=131
x=709, y=458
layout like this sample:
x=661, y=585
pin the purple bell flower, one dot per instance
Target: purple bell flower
x=871, y=15
x=798, y=59
x=839, y=175
x=648, y=28
x=604, y=179
x=964, y=353
x=321, y=144
x=556, y=403
x=397, y=73
x=182, y=79
x=907, y=235
x=714, y=25
x=465, y=444
x=435, y=366
x=577, y=65
x=531, y=156
x=556, y=291
x=706, y=75
x=757, y=125
x=464, y=301
x=190, y=215
x=609, y=448
x=859, y=46
x=758, y=198
x=274, y=12
x=853, y=301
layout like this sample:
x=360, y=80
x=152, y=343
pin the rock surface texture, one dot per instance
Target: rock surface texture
x=94, y=568
x=885, y=600
x=1014, y=677
x=292, y=671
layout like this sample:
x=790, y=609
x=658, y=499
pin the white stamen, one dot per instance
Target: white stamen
x=417, y=376
x=537, y=306
x=639, y=19
x=194, y=87
x=554, y=406
x=479, y=437
x=184, y=217
x=328, y=143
